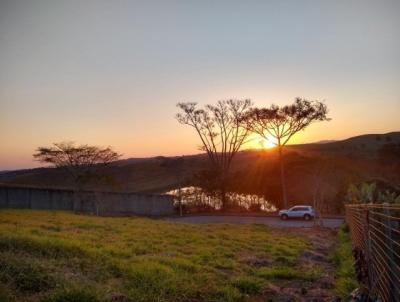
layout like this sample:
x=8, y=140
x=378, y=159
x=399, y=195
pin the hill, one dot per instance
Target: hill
x=364, y=145
x=334, y=165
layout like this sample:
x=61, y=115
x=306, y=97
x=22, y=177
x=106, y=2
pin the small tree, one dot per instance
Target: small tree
x=279, y=124
x=81, y=162
x=368, y=193
x=365, y=193
x=323, y=174
x=222, y=131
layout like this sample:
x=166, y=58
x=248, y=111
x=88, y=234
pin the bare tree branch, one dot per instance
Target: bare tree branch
x=281, y=123
x=221, y=128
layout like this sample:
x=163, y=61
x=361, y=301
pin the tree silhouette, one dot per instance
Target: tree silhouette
x=279, y=124
x=81, y=162
x=222, y=131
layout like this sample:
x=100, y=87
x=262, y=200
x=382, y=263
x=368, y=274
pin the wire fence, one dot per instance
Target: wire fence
x=375, y=233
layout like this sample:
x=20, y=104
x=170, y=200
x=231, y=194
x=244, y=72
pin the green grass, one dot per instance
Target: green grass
x=59, y=256
x=345, y=276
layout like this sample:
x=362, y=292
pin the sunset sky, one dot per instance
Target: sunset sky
x=111, y=72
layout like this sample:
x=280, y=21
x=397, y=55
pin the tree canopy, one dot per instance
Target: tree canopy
x=77, y=160
x=283, y=122
x=222, y=131
x=278, y=125
x=221, y=128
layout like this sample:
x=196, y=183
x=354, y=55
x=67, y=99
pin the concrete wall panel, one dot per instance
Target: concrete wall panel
x=103, y=203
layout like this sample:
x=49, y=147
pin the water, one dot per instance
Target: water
x=196, y=197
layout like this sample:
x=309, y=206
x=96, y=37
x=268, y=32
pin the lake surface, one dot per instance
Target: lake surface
x=196, y=196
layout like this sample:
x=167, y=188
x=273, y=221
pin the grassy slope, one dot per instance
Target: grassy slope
x=52, y=256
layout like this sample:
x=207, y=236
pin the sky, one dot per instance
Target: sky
x=110, y=73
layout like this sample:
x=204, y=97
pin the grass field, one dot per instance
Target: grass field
x=59, y=256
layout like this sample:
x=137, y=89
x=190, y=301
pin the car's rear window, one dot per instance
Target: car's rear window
x=301, y=209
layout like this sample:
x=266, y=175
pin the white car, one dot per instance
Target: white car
x=305, y=212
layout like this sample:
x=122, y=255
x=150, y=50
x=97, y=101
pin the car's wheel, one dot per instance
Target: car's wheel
x=284, y=216
x=307, y=217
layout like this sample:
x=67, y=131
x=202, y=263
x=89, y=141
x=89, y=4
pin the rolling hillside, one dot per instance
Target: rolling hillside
x=365, y=145
x=336, y=164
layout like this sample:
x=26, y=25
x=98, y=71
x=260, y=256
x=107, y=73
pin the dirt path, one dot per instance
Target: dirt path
x=271, y=221
x=316, y=258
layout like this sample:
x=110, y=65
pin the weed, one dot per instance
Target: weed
x=5, y=294
x=26, y=275
x=282, y=272
x=345, y=275
x=73, y=294
x=247, y=285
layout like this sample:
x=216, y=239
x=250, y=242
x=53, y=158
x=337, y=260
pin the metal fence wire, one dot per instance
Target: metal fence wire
x=375, y=233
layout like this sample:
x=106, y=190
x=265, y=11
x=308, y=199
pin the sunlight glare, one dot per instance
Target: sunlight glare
x=263, y=143
x=269, y=143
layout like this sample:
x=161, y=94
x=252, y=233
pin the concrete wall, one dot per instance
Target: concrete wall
x=102, y=203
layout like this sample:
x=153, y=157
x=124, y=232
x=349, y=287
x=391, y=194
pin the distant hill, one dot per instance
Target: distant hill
x=362, y=145
x=325, y=141
x=352, y=160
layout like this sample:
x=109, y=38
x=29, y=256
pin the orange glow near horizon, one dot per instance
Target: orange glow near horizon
x=270, y=142
x=257, y=142
x=110, y=90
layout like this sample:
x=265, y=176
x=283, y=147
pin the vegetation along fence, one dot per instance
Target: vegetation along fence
x=375, y=232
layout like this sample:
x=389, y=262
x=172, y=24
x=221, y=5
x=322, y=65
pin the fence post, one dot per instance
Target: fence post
x=393, y=294
x=367, y=231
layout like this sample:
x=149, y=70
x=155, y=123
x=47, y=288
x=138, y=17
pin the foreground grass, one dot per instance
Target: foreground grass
x=345, y=277
x=59, y=256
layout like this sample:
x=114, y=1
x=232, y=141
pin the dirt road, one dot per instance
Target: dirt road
x=270, y=221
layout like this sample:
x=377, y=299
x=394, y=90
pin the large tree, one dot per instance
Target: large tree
x=278, y=124
x=222, y=131
x=81, y=162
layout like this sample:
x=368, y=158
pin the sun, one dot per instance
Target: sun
x=268, y=144
x=256, y=142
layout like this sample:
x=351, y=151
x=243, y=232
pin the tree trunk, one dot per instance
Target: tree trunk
x=222, y=188
x=283, y=183
x=180, y=200
x=223, y=197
